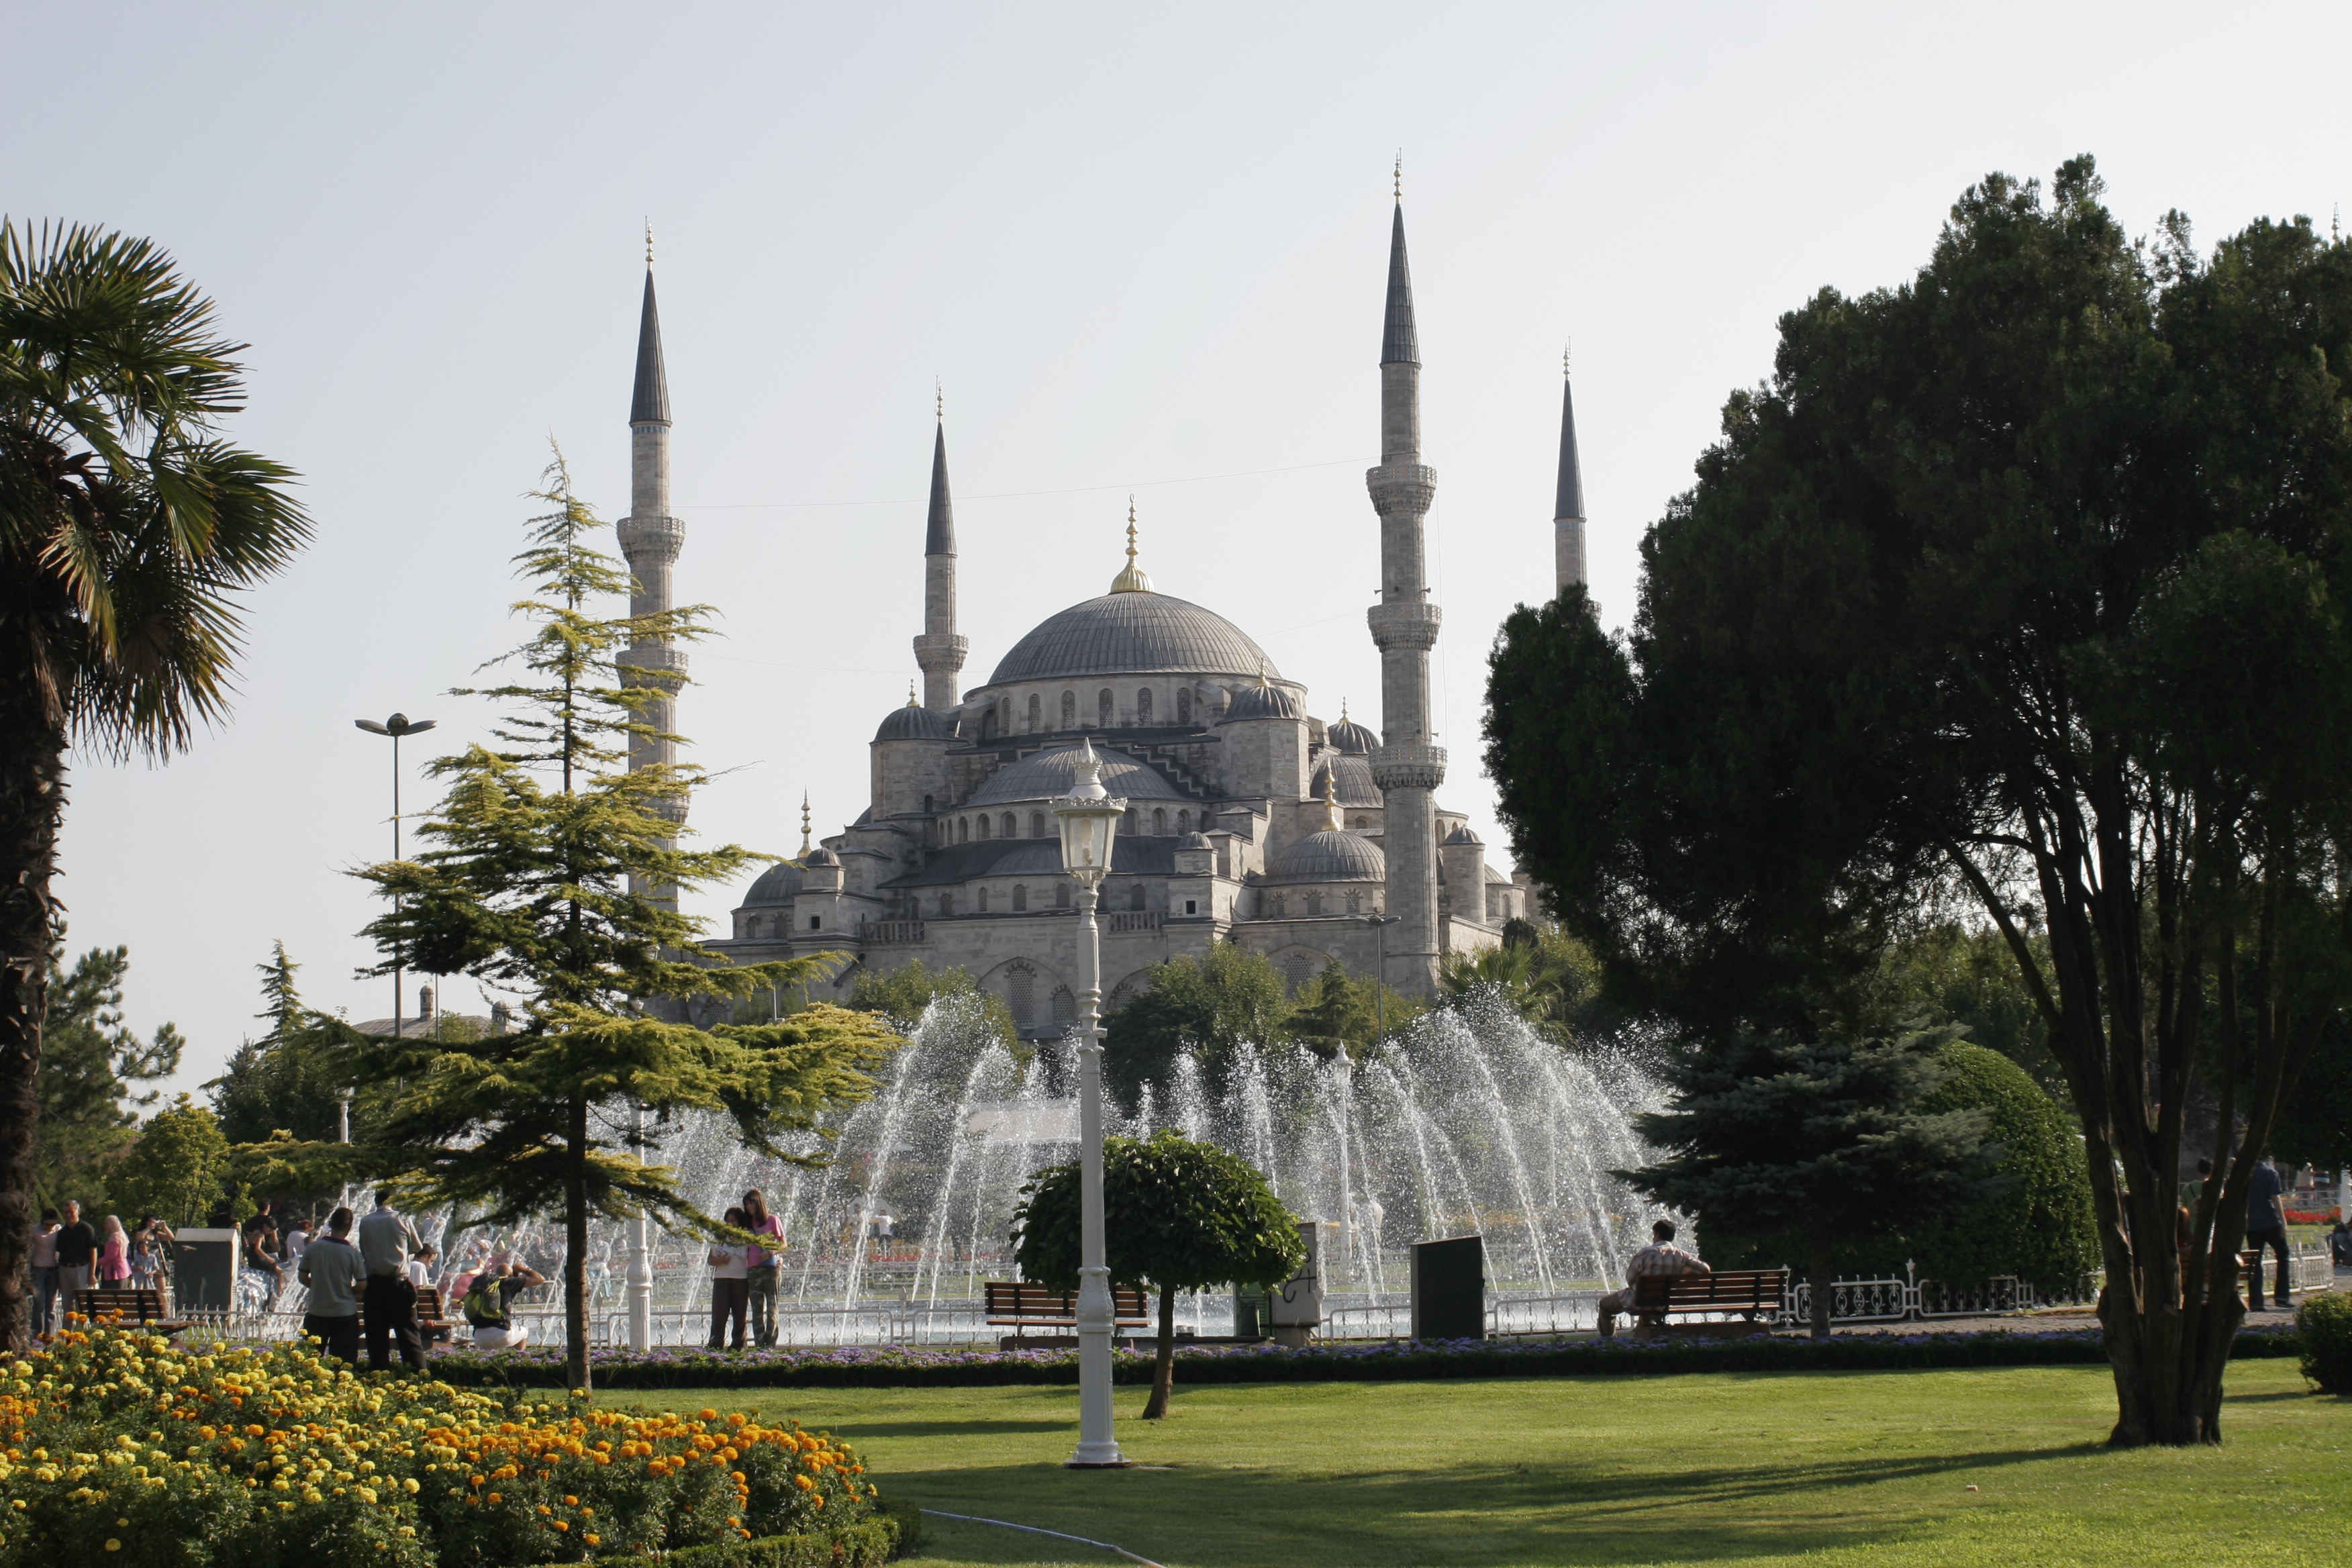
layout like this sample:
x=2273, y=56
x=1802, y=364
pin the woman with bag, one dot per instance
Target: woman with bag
x=765, y=1265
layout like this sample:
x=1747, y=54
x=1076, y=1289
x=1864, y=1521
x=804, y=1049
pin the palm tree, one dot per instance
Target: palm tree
x=127, y=529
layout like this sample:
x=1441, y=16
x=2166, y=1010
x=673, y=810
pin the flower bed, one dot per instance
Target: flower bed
x=905, y=1366
x=118, y=1448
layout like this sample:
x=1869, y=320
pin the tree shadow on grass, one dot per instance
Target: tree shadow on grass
x=859, y=1431
x=1575, y=1512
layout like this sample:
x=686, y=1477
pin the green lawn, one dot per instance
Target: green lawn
x=1830, y=1468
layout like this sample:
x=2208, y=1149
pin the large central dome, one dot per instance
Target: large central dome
x=1133, y=634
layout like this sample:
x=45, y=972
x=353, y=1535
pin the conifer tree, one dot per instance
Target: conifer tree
x=552, y=873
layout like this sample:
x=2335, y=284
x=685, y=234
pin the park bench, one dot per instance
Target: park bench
x=145, y=1307
x=1758, y=1295
x=1021, y=1305
x=430, y=1322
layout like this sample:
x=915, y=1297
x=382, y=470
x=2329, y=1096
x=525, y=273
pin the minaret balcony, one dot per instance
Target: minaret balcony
x=658, y=537
x=938, y=652
x=1401, y=487
x=1409, y=764
x=1406, y=624
x=653, y=657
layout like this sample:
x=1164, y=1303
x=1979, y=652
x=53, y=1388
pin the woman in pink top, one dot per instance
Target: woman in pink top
x=113, y=1254
x=765, y=1263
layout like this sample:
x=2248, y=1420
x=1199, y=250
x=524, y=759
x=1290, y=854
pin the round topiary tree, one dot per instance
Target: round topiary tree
x=1177, y=1214
x=2033, y=1217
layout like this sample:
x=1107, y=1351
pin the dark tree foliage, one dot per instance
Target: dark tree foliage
x=2017, y=583
x=1948, y=973
x=1177, y=1216
x=1210, y=1005
x=1830, y=1139
x=2315, y=1123
x=90, y=1062
x=284, y=1081
x=901, y=995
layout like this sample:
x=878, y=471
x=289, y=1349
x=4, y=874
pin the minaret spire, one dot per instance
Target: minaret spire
x=1407, y=766
x=940, y=651
x=805, y=824
x=1568, y=507
x=650, y=539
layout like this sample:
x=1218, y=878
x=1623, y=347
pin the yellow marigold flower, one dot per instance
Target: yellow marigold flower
x=594, y=1540
x=112, y=1545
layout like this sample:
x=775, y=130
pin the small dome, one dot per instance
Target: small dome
x=1052, y=774
x=1352, y=781
x=1496, y=880
x=1263, y=701
x=1352, y=739
x=914, y=723
x=1462, y=835
x=822, y=857
x=1334, y=854
x=778, y=884
x=1194, y=841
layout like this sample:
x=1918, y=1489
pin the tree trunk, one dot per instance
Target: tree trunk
x=1820, y=1271
x=32, y=802
x=1163, y=1371
x=575, y=1248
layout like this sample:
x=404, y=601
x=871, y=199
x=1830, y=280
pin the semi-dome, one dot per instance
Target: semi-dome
x=1263, y=701
x=1351, y=779
x=1132, y=633
x=1334, y=854
x=914, y=723
x=1351, y=738
x=778, y=884
x=1051, y=775
x=823, y=856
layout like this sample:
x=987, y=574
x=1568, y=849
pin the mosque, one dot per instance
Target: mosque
x=1248, y=819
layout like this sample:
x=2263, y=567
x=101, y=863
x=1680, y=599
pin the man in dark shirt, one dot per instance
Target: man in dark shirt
x=77, y=1245
x=2265, y=1226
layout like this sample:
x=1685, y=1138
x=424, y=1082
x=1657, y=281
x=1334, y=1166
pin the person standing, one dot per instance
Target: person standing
x=298, y=1240
x=763, y=1265
x=332, y=1268
x=2265, y=1226
x=45, y=1274
x=1662, y=1257
x=114, y=1255
x=387, y=1241
x=76, y=1247
x=147, y=1244
x=728, y=1291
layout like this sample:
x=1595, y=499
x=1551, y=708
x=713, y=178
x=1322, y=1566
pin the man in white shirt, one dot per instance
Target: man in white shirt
x=332, y=1269
x=387, y=1241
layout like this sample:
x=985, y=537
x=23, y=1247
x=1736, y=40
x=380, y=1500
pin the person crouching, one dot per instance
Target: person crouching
x=487, y=1301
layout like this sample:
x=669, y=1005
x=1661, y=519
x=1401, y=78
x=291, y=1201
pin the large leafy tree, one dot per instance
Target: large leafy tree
x=1829, y=1138
x=552, y=874
x=1209, y=1005
x=91, y=1066
x=2016, y=584
x=286, y=1081
x=129, y=530
x=1177, y=1216
x=180, y=1169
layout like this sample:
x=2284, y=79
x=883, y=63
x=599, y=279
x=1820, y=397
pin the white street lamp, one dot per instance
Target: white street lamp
x=1089, y=817
x=641, y=1263
x=396, y=726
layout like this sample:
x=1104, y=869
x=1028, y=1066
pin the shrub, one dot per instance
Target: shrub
x=117, y=1446
x=2322, y=1328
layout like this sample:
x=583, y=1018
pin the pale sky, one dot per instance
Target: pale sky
x=1142, y=247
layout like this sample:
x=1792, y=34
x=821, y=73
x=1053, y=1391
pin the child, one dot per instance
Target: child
x=730, y=1286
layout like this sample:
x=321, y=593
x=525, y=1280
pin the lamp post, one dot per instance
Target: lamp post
x=1089, y=817
x=641, y=1261
x=396, y=726
x=1380, y=923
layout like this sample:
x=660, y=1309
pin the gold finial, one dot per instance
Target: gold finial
x=939, y=399
x=1332, y=820
x=910, y=695
x=805, y=824
x=649, y=242
x=1343, y=710
x=1400, y=174
x=1132, y=580
x=1563, y=358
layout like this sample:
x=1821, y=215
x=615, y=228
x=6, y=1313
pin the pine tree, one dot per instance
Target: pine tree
x=552, y=874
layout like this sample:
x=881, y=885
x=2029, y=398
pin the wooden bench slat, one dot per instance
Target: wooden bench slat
x=1017, y=1303
x=1748, y=1290
x=145, y=1307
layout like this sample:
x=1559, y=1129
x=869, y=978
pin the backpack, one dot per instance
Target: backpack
x=484, y=1307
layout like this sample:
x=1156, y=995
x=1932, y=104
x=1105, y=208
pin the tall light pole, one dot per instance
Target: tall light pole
x=396, y=726
x=1089, y=817
x=1380, y=978
x=641, y=1261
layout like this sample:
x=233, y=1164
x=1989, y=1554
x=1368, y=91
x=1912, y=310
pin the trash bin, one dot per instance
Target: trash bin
x=1449, y=1289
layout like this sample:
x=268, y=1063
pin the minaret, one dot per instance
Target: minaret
x=1407, y=767
x=650, y=537
x=1568, y=509
x=940, y=651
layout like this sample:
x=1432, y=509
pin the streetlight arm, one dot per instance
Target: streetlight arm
x=370, y=726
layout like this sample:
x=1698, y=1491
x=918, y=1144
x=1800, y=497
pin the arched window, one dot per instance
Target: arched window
x=1066, y=1008
x=1019, y=897
x=1036, y=825
x=988, y=725
x=1004, y=710
x=980, y=903
x=1132, y=823
x=964, y=829
x=1159, y=822
x=1135, y=899
x=947, y=903
x=1360, y=823
x=1355, y=902
x=1021, y=991
x=1103, y=708
x=1036, y=711
x=927, y=803
x=1314, y=905
x=1183, y=705
x=1061, y=895
x=1183, y=821
x=1273, y=906
x=1143, y=707
x=1069, y=709
x=983, y=828
x=1009, y=826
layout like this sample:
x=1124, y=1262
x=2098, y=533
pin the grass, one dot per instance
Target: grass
x=1827, y=1468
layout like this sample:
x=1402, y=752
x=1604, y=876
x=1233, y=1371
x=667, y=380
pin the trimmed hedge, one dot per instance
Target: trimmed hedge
x=2324, y=1332
x=895, y=1532
x=1377, y=1361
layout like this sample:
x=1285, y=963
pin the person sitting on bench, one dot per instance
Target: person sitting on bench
x=1660, y=1257
x=486, y=1304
